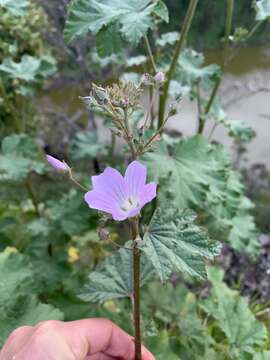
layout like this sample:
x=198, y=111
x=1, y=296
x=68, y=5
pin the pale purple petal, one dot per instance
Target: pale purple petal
x=102, y=201
x=134, y=212
x=121, y=197
x=112, y=183
x=147, y=193
x=57, y=164
x=135, y=178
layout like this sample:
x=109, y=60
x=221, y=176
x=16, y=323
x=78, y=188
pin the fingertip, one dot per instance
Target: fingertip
x=147, y=355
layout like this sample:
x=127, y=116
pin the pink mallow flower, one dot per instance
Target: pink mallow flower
x=57, y=164
x=122, y=197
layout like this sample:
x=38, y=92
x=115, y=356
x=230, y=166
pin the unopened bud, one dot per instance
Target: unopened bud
x=147, y=79
x=159, y=77
x=100, y=94
x=140, y=131
x=103, y=234
x=172, y=109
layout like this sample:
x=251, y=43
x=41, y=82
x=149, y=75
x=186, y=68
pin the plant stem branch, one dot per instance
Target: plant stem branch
x=136, y=288
x=228, y=30
x=12, y=108
x=77, y=182
x=32, y=195
x=128, y=136
x=150, y=53
x=179, y=47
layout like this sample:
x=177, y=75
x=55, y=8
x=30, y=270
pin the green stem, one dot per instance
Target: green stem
x=32, y=195
x=254, y=29
x=136, y=288
x=77, y=182
x=228, y=30
x=178, y=49
x=128, y=136
x=12, y=108
x=150, y=53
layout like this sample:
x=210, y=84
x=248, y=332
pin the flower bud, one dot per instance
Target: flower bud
x=100, y=94
x=141, y=131
x=147, y=79
x=159, y=77
x=172, y=109
x=57, y=164
x=103, y=234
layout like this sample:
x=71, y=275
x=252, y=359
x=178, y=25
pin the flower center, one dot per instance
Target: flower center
x=129, y=204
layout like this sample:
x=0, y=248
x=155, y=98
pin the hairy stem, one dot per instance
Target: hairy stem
x=228, y=30
x=75, y=181
x=178, y=49
x=150, y=53
x=136, y=288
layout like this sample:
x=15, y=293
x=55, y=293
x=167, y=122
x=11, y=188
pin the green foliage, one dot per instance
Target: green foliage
x=173, y=243
x=86, y=145
x=226, y=329
x=18, y=158
x=169, y=38
x=113, y=278
x=192, y=172
x=17, y=8
x=132, y=20
x=237, y=129
x=262, y=8
x=234, y=317
x=191, y=69
x=198, y=175
x=18, y=301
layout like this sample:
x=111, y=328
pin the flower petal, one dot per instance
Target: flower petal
x=134, y=212
x=135, y=178
x=57, y=164
x=147, y=193
x=112, y=183
x=103, y=201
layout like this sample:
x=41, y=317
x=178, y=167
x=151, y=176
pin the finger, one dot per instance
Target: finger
x=100, y=336
x=99, y=356
x=15, y=342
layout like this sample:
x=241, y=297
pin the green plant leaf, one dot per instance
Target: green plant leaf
x=113, y=278
x=133, y=18
x=17, y=8
x=136, y=60
x=262, y=8
x=85, y=145
x=18, y=302
x=174, y=243
x=160, y=346
x=108, y=41
x=233, y=316
x=30, y=68
x=237, y=129
x=70, y=214
x=26, y=69
x=191, y=70
x=192, y=172
x=169, y=38
x=161, y=11
x=264, y=355
x=232, y=220
x=19, y=156
x=244, y=233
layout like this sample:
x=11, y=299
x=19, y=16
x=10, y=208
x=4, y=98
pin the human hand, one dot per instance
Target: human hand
x=89, y=339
